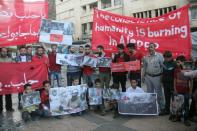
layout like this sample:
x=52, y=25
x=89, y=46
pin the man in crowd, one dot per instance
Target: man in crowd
x=54, y=69
x=22, y=57
x=87, y=70
x=151, y=74
x=72, y=71
x=135, y=55
x=29, y=50
x=8, y=98
x=40, y=56
x=104, y=72
x=120, y=77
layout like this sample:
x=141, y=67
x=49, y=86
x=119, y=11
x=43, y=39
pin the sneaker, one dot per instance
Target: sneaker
x=187, y=123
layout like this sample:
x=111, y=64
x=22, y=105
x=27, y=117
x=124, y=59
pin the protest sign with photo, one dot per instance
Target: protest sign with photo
x=31, y=99
x=138, y=104
x=89, y=61
x=111, y=94
x=67, y=100
x=95, y=96
x=56, y=32
x=170, y=31
x=104, y=62
x=69, y=59
x=125, y=66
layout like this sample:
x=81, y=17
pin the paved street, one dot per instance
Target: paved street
x=91, y=121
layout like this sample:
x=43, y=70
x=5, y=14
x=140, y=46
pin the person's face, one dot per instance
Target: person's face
x=133, y=83
x=81, y=49
x=47, y=86
x=98, y=85
x=72, y=49
x=54, y=48
x=29, y=50
x=120, y=50
x=22, y=51
x=87, y=50
x=4, y=52
x=76, y=82
x=99, y=50
x=131, y=49
x=179, y=63
x=167, y=59
x=28, y=89
x=40, y=51
x=151, y=49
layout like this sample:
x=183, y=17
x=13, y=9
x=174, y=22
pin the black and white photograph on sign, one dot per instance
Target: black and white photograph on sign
x=69, y=59
x=56, y=32
x=111, y=94
x=138, y=104
x=95, y=96
x=31, y=99
x=176, y=104
x=115, y=94
x=104, y=62
x=89, y=61
x=67, y=100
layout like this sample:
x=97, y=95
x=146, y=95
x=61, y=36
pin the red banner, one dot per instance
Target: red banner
x=125, y=66
x=14, y=76
x=169, y=32
x=20, y=21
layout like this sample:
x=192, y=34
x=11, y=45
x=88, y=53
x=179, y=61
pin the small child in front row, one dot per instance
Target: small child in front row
x=133, y=89
x=75, y=82
x=45, y=106
x=97, y=84
x=30, y=112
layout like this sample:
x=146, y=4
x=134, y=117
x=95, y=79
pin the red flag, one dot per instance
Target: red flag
x=14, y=76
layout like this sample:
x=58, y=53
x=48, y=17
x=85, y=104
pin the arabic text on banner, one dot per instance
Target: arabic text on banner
x=20, y=21
x=18, y=74
x=125, y=66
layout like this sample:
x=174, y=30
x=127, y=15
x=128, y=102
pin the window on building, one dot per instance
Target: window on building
x=91, y=26
x=93, y=5
x=117, y=2
x=149, y=14
x=106, y=4
x=84, y=9
x=193, y=13
x=84, y=28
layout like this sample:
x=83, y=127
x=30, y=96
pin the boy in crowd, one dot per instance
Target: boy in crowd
x=182, y=86
x=97, y=84
x=45, y=105
x=168, y=79
x=134, y=88
x=30, y=112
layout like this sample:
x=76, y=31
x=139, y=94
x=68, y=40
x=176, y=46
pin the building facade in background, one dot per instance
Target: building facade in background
x=80, y=12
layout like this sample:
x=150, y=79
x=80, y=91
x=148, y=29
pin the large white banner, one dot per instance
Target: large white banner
x=31, y=99
x=67, y=100
x=56, y=32
x=69, y=59
x=138, y=104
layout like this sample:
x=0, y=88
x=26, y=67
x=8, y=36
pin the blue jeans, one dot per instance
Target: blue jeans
x=70, y=76
x=55, y=76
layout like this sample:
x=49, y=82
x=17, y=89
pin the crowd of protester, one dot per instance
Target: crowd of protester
x=161, y=73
